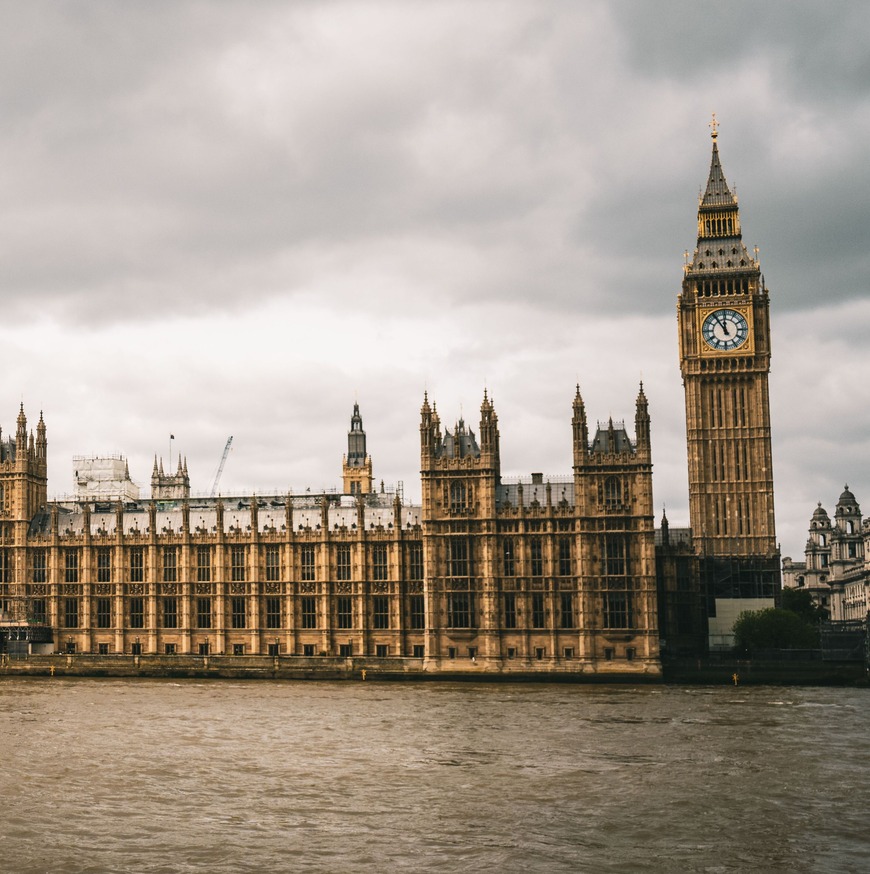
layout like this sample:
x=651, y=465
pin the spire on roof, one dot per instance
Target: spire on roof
x=717, y=192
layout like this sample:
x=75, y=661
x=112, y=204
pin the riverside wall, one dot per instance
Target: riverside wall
x=677, y=671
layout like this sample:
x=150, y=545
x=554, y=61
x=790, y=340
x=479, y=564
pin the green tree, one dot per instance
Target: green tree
x=757, y=630
x=801, y=602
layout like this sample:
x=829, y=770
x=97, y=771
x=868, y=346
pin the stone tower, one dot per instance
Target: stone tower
x=167, y=486
x=459, y=478
x=616, y=530
x=356, y=468
x=23, y=493
x=724, y=330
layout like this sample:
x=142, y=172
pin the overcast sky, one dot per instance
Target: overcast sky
x=240, y=217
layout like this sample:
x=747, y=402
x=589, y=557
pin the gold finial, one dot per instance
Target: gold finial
x=714, y=127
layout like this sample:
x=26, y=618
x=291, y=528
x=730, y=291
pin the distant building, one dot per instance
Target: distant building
x=836, y=565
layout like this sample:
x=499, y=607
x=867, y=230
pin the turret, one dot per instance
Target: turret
x=41, y=442
x=641, y=421
x=580, y=429
x=21, y=433
x=489, y=437
x=430, y=429
x=356, y=468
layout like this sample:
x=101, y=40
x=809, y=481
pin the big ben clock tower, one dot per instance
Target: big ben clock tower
x=724, y=328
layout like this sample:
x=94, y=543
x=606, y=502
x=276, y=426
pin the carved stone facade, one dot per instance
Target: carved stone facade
x=529, y=576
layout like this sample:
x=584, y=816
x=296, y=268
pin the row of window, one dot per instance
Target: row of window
x=169, y=612
x=617, y=610
x=460, y=561
x=203, y=569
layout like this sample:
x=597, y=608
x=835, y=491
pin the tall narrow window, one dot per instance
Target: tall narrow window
x=308, y=608
x=71, y=613
x=460, y=560
x=510, y=610
x=508, y=563
x=71, y=569
x=415, y=561
x=104, y=612
x=38, y=611
x=238, y=563
x=39, y=565
x=344, y=611
x=617, y=609
x=379, y=561
x=342, y=561
x=238, y=613
x=170, y=612
x=567, y=611
x=615, y=557
x=273, y=612
x=137, y=612
x=537, y=556
x=6, y=566
x=381, y=611
x=612, y=492
x=307, y=563
x=460, y=609
x=565, y=556
x=203, y=612
x=203, y=564
x=104, y=565
x=538, y=617
x=418, y=612
x=137, y=565
x=170, y=564
x=273, y=563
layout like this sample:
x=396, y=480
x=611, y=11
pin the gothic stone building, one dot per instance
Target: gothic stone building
x=484, y=575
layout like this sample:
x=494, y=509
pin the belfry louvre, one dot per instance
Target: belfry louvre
x=533, y=575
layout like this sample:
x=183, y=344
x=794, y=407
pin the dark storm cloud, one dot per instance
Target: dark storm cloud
x=235, y=217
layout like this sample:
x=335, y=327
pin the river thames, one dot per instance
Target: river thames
x=223, y=776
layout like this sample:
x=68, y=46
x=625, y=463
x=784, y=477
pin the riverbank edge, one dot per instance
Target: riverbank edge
x=676, y=672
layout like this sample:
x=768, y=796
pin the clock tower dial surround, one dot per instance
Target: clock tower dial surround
x=724, y=331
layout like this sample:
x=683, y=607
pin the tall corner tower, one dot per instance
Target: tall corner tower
x=23, y=494
x=23, y=478
x=724, y=326
x=356, y=468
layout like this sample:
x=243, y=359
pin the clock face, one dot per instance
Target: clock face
x=725, y=330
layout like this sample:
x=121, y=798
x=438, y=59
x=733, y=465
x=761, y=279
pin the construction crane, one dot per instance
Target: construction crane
x=220, y=469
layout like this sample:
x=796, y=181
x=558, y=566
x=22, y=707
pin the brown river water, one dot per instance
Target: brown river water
x=226, y=776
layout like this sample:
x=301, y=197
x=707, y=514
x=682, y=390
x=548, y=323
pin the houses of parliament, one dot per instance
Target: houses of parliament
x=565, y=575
